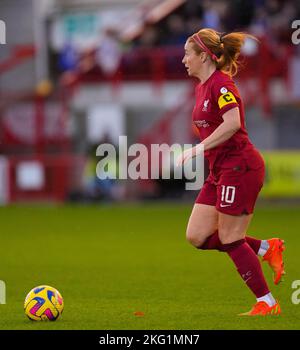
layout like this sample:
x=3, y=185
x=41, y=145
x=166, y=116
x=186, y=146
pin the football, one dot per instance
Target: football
x=43, y=303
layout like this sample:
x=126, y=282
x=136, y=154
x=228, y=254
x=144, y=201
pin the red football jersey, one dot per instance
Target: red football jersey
x=214, y=97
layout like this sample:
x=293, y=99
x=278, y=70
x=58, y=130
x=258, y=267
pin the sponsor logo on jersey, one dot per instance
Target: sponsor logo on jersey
x=205, y=105
x=226, y=99
x=201, y=123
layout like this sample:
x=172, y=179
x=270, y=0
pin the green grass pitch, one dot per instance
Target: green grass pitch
x=109, y=261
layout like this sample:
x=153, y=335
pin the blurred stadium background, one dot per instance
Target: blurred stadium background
x=77, y=73
x=74, y=74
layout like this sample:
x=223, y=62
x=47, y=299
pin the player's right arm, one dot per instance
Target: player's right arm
x=231, y=124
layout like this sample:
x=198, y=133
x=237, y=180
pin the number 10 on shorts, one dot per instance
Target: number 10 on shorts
x=228, y=194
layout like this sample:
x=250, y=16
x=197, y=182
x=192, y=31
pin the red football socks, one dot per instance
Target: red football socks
x=213, y=242
x=248, y=266
x=253, y=243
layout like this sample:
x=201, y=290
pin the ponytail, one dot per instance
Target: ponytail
x=230, y=46
x=226, y=48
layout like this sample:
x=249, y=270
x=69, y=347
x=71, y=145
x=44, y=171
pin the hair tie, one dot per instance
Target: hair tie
x=221, y=38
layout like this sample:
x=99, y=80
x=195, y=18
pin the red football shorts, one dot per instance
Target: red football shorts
x=234, y=189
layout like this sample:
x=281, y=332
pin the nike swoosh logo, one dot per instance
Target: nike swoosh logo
x=225, y=205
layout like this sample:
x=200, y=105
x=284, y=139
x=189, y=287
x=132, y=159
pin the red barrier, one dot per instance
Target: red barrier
x=161, y=64
x=59, y=176
x=19, y=54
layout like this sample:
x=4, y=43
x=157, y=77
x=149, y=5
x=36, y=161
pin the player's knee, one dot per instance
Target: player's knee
x=194, y=237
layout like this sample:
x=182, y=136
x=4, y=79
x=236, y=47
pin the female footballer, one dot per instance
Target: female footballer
x=224, y=207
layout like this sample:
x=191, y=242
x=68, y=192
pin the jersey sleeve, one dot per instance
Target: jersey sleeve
x=226, y=96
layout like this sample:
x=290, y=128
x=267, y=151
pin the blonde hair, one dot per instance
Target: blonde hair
x=226, y=48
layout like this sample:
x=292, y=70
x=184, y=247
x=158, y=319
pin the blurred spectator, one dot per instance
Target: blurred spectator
x=259, y=22
x=192, y=8
x=280, y=18
x=96, y=188
x=270, y=18
x=109, y=52
x=149, y=38
x=212, y=11
x=85, y=62
x=176, y=33
x=239, y=14
x=68, y=58
x=193, y=25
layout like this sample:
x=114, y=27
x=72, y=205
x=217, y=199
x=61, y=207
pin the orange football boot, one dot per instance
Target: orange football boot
x=275, y=259
x=261, y=308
